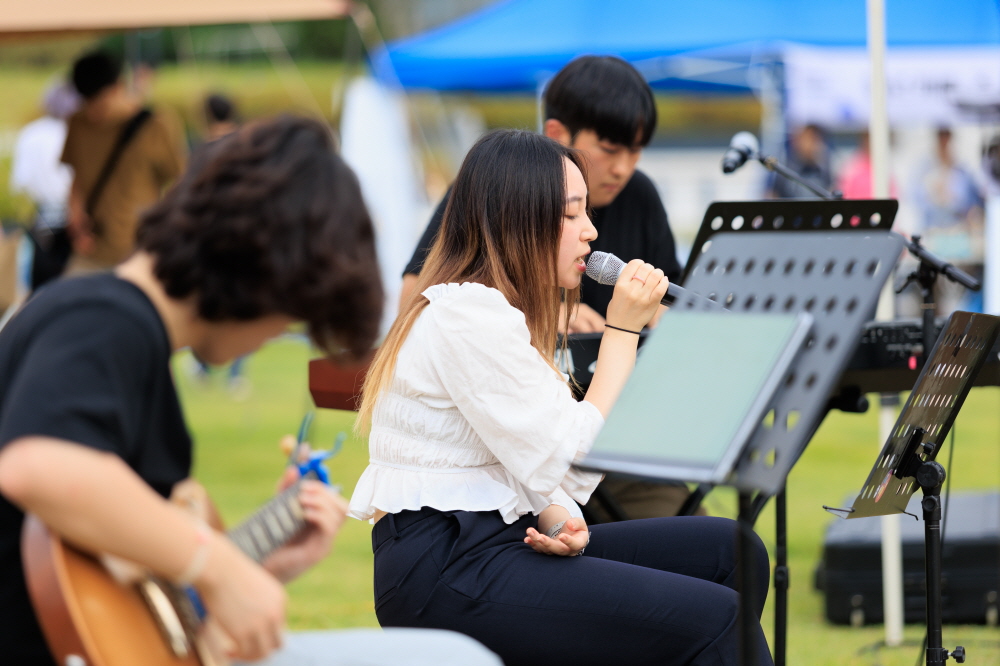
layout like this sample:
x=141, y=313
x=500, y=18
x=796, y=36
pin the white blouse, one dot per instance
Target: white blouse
x=474, y=418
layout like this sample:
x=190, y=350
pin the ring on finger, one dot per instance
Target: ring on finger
x=636, y=277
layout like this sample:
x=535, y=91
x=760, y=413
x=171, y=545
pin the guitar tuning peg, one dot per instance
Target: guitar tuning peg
x=287, y=444
x=338, y=444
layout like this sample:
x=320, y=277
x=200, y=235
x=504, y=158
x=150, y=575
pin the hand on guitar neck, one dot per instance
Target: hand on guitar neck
x=324, y=512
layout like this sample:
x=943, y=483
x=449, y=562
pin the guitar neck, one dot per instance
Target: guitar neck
x=272, y=525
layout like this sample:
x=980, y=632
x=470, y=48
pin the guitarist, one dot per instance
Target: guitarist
x=268, y=229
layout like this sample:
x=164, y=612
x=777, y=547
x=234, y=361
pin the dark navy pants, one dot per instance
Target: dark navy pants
x=654, y=591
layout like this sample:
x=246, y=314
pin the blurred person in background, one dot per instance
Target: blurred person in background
x=220, y=116
x=601, y=106
x=855, y=178
x=37, y=172
x=123, y=155
x=950, y=208
x=809, y=157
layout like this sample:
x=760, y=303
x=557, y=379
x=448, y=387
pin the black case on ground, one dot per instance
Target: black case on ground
x=850, y=573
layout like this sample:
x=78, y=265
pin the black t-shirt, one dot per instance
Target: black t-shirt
x=633, y=226
x=86, y=360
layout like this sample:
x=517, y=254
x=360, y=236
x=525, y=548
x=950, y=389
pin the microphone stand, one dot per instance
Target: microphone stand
x=747, y=152
x=926, y=275
x=772, y=164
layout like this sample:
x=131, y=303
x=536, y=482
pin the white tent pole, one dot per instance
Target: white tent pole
x=878, y=125
x=878, y=132
x=540, y=103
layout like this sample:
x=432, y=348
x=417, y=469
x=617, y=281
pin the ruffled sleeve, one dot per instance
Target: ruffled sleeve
x=562, y=498
x=480, y=348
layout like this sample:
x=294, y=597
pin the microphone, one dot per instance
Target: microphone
x=742, y=147
x=604, y=268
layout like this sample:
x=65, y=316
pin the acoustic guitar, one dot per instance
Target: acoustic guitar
x=101, y=611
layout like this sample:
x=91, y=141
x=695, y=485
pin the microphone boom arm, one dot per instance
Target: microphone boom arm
x=772, y=164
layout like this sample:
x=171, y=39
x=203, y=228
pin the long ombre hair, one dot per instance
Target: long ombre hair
x=501, y=229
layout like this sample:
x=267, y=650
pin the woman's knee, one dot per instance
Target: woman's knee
x=732, y=549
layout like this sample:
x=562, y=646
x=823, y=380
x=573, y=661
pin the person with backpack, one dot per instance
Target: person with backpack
x=123, y=157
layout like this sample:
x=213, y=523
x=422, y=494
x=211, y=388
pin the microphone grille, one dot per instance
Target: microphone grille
x=604, y=267
x=745, y=140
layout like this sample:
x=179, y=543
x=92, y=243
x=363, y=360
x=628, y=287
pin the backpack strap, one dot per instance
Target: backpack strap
x=128, y=132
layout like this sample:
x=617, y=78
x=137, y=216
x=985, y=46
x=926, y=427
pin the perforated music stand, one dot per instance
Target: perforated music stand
x=750, y=218
x=945, y=381
x=806, y=215
x=906, y=462
x=834, y=276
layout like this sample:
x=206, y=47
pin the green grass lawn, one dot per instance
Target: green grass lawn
x=238, y=459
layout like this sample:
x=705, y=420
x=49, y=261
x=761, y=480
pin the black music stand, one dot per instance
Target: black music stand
x=787, y=216
x=790, y=215
x=906, y=462
x=834, y=276
x=724, y=369
x=809, y=218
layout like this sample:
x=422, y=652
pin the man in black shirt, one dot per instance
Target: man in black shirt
x=92, y=438
x=604, y=108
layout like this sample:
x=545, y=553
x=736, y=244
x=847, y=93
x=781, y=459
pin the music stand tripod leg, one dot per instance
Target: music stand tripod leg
x=782, y=572
x=781, y=577
x=747, y=611
x=930, y=476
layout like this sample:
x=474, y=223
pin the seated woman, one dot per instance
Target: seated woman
x=474, y=432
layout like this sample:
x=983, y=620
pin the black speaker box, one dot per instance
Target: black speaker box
x=850, y=573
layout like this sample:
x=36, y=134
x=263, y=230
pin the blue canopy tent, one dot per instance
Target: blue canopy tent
x=515, y=45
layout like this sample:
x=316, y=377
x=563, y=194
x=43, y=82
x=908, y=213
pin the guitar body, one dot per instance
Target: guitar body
x=85, y=612
x=111, y=613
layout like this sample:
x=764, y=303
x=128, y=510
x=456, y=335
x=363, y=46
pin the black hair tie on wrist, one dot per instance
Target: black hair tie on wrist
x=622, y=329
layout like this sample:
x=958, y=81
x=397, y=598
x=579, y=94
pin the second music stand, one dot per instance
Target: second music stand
x=907, y=461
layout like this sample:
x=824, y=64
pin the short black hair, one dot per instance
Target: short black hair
x=270, y=220
x=94, y=72
x=219, y=108
x=604, y=94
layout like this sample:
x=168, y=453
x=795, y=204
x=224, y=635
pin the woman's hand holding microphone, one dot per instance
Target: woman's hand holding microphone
x=638, y=292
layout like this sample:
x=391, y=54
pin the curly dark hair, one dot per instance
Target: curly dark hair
x=270, y=220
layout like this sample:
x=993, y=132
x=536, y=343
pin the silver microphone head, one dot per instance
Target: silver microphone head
x=745, y=141
x=604, y=267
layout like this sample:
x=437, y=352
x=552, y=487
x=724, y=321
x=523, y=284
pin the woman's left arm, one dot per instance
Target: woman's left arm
x=571, y=540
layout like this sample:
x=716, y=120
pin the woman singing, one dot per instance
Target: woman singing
x=474, y=432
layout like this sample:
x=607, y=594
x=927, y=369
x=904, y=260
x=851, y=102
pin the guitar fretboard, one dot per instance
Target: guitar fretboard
x=272, y=525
